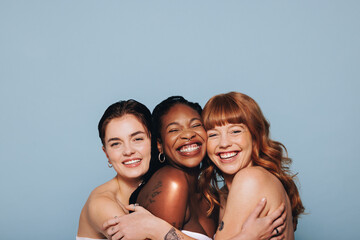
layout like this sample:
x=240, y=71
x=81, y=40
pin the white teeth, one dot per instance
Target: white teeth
x=189, y=148
x=227, y=155
x=131, y=161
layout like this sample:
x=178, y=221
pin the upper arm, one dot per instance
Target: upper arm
x=249, y=186
x=166, y=196
x=101, y=209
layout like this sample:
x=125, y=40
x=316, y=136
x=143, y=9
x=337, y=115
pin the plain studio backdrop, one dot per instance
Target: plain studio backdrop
x=62, y=63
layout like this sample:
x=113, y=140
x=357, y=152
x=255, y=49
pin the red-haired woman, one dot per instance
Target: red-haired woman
x=252, y=165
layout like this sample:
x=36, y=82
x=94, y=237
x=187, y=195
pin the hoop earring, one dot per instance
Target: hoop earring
x=109, y=165
x=161, y=160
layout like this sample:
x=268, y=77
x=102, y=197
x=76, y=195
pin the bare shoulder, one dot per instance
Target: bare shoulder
x=254, y=177
x=169, y=178
x=168, y=186
x=104, y=198
x=103, y=189
x=257, y=182
x=99, y=207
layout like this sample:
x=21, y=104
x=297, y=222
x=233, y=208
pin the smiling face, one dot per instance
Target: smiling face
x=127, y=146
x=230, y=147
x=183, y=136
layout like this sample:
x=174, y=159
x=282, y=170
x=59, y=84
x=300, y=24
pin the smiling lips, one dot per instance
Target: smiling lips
x=132, y=162
x=189, y=149
x=227, y=155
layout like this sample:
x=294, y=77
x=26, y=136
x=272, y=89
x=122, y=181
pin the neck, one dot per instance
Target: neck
x=228, y=180
x=126, y=187
x=195, y=171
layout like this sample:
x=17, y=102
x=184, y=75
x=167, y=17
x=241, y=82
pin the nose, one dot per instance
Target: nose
x=224, y=142
x=188, y=135
x=128, y=149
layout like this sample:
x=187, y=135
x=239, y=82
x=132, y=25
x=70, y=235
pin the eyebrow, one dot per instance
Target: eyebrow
x=176, y=123
x=131, y=135
x=113, y=139
x=136, y=133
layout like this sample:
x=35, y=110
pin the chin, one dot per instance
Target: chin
x=228, y=171
x=138, y=174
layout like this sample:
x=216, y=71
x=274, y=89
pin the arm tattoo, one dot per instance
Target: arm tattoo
x=172, y=235
x=159, y=184
x=155, y=192
x=221, y=225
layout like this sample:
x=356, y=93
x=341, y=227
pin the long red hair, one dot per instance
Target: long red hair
x=237, y=108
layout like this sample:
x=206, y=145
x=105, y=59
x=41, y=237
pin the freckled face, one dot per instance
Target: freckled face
x=127, y=146
x=183, y=136
x=230, y=147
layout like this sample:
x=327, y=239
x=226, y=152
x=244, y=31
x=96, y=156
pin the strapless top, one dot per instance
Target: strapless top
x=196, y=235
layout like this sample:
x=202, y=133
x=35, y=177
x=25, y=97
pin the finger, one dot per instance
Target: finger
x=258, y=209
x=112, y=230
x=110, y=223
x=278, y=212
x=278, y=238
x=280, y=230
x=117, y=236
x=135, y=206
x=131, y=207
x=279, y=223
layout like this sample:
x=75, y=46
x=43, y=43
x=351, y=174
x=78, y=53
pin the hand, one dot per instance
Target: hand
x=265, y=228
x=137, y=225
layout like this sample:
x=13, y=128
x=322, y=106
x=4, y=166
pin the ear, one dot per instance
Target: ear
x=159, y=146
x=107, y=156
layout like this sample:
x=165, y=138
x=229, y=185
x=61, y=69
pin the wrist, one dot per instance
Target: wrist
x=159, y=229
x=246, y=235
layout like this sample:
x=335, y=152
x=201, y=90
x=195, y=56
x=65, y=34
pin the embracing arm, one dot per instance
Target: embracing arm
x=151, y=227
x=98, y=209
x=248, y=187
x=127, y=227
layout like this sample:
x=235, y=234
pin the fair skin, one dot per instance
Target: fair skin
x=127, y=147
x=230, y=147
x=183, y=140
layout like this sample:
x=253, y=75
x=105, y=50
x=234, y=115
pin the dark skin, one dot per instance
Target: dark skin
x=171, y=194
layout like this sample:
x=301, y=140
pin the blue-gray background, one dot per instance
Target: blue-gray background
x=63, y=62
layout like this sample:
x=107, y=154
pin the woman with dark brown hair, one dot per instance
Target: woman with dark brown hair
x=252, y=165
x=124, y=131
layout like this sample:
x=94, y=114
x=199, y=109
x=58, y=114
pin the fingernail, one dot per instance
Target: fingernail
x=263, y=199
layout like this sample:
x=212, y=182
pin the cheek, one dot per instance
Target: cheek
x=203, y=135
x=210, y=147
x=169, y=142
x=146, y=149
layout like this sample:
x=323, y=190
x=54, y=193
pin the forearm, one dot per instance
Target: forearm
x=162, y=230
